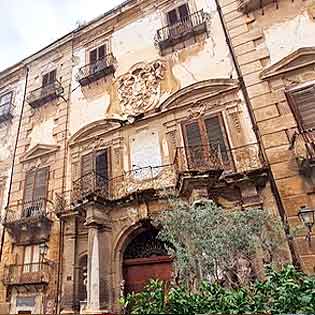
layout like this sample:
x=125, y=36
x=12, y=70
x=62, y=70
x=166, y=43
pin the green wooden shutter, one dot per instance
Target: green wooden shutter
x=216, y=136
x=41, y=184
x=28, y=188
x=304, y=102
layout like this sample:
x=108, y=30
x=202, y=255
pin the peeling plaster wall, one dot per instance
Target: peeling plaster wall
x=134, y=43
x=43, y=133
x=299, y=33
x=8, y=132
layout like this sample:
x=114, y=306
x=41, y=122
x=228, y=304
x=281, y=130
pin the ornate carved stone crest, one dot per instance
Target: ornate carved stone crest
x=139, y=89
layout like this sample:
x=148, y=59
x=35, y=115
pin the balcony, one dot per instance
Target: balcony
x=29, y=222
x=45, y=94
x=247, y=6
x=170, y=35
x=95, y=71
x=27, y=274
x=146, y=179
x=6, y=112
x=303, y=146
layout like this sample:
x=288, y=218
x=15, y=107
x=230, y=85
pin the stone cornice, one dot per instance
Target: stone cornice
x=298, y=59
x=199, y=91
x=39, y=150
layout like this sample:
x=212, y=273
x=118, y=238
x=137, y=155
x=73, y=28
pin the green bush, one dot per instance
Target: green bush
x=282, y=292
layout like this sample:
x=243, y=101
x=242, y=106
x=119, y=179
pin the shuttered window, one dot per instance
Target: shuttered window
x=302, y=102
x=216, y=137
x=49, y=78
x=97, y=54
x=36, y=184
x=5, y=102
x=204, y=135
x=97, y=162
x=178, y=14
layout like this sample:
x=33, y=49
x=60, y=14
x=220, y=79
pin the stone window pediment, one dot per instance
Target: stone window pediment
x=38, y=151
x=298, y=59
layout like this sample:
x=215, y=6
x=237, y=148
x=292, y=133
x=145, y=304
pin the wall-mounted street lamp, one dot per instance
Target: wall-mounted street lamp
x=307, y=217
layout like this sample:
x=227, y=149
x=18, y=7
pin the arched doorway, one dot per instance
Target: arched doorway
x=145, y=258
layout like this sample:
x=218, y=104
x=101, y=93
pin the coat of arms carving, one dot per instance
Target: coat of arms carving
x=139, y=89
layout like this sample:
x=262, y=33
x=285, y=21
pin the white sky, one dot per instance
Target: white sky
x=29, y=25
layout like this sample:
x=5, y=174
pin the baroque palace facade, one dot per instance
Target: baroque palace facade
x=151, y=97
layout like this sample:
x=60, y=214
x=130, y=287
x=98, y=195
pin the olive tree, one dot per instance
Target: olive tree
x=212, y=243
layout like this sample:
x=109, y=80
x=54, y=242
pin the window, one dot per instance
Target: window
x=5, y=103
x=203, y=138
x=35, y=191
x=31, y=259
x=178, y=14
x=95, y=163
x=49, y=78
x=97, y=54
x=302, y=102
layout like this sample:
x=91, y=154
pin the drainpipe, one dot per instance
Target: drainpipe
x=13, y=159
x=62, y=224
x=248, y=104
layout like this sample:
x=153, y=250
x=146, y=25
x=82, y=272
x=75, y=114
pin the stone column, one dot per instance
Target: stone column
x=68, y=294
x=99, y=257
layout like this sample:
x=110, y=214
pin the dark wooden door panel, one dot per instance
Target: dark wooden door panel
x=138, y=272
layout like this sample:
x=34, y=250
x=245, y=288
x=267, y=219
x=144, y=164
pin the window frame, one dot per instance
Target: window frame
x=35, y=172
x=10, y=102
x=105, y=45
x=176, y=9
x=32, y=258
x=48, y=74
x=293, y=104
x=204, y=134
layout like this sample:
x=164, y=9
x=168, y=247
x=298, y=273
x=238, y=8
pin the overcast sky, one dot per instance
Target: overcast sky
x=28, y=25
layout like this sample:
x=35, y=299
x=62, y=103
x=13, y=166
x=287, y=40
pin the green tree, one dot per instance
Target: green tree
x=212, y=243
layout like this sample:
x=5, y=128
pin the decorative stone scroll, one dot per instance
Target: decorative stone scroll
x=139, y=89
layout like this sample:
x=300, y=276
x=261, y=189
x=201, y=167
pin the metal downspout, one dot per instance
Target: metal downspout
x=13, y=160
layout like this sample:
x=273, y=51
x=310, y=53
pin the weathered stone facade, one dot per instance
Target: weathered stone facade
x=144, y=101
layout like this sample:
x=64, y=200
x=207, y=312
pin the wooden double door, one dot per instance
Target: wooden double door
x=145, y=258
x=138, y=271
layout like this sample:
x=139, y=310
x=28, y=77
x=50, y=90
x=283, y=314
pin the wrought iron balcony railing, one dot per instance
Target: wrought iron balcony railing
x=214, y=158
x=189, y=26
x=29, y=211
x=6, y=112
x=29, y=221
x=27, y=274
x=94, y=71
x=303, y=146
x=137, y=180
x=45, y=94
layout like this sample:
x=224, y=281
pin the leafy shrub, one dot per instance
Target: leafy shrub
x=282, y=292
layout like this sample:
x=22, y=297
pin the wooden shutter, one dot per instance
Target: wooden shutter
x=101, y=52
x=216, y=136
x=93, y=56
x=172, y=17
x=303, y=105
x=183, y=11
x=28, y=188
x=195, y=150
x=52, y=77
x=41, y=184
x=45, y=79
x=86, y=164
x=101, y=164
x=192, y=134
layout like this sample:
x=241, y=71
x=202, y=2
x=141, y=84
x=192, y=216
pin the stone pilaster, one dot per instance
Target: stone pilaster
x=99, y=280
